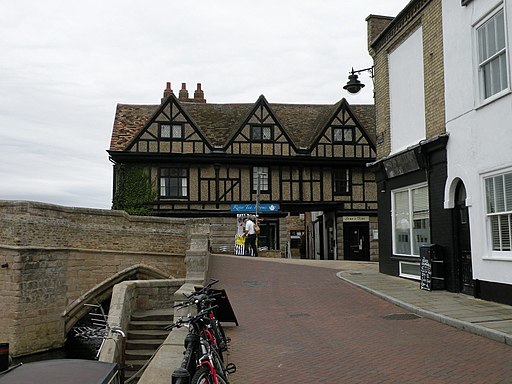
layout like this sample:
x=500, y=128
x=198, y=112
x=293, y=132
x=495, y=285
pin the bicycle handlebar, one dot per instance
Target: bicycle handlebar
x=199, y=296
x=192, y=320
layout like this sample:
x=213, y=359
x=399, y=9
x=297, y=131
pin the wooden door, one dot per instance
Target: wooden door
x=463, y=249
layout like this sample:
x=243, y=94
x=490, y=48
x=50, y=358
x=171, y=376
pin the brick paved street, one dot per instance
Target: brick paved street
x=304, y=324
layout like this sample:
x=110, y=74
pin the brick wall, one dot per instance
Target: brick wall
x=52, y=255
x=426, y=13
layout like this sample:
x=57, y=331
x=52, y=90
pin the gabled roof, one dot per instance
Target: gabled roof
x=220, y=122
x=365, y=115
x=128, y=122
x=303, y=121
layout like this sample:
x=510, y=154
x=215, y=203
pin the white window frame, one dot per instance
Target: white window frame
x=408, y=275
x=479, y=71
x=507, y=211
x=410, y=223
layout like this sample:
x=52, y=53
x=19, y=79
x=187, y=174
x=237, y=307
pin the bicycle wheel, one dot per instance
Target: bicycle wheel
x=204, y=376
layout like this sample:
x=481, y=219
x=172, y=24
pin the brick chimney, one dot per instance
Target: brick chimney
x=375, y=24
x=167, y=92
x=183, y=96
x=199, y=94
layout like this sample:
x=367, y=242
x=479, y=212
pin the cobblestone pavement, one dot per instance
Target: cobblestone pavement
x=303, y=323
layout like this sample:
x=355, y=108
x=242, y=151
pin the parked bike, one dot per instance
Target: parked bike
x=205, y=342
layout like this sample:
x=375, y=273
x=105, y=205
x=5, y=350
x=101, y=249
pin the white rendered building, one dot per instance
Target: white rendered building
x=477, y=36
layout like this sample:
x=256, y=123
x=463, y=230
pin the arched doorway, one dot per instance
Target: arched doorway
x=463, y=242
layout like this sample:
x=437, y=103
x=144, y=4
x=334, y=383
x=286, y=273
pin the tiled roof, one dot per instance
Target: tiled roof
x=303, y=121
x=365, y=114
x=219, y=122
x=128, y=122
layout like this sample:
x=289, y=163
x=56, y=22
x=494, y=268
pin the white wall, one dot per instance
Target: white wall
x=480, y=135
x=406, y=92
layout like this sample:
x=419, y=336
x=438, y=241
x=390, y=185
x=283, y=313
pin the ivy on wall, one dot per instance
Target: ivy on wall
x=134, y=190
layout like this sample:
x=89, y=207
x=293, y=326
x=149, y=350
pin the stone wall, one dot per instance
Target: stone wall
x=52, y=255
x=133, y=296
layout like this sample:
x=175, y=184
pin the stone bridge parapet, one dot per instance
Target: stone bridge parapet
x=51, y=256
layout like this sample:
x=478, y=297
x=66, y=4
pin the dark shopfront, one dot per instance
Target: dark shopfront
x=414, y=178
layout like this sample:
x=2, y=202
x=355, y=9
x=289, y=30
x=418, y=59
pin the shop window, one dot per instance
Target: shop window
x=411, y=220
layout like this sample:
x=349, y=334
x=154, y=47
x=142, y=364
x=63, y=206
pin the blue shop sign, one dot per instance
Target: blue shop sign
x=262, y=208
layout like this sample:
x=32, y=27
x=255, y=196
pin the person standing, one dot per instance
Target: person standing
x=250, y=233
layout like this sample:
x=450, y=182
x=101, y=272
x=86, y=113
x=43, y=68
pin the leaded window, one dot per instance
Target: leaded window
x=171, y=131
x=343, y=134
x=262, y=133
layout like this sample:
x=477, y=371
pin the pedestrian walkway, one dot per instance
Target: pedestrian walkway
x=312, y=321
x=292, y=317
x=481, y=317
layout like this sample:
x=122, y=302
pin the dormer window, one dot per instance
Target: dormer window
x=343, y=134
x=171, y=131
x=262, y=132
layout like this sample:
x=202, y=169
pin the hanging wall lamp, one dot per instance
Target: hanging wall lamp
x=354, y=85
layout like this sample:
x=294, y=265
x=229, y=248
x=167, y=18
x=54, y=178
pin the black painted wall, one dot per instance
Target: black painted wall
x=433, y=168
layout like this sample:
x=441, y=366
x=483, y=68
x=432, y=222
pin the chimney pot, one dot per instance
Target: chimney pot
x=167, y=92
x=199, y=94
x=183, y=96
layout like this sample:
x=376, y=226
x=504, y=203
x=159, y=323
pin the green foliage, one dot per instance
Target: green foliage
x=134, y=191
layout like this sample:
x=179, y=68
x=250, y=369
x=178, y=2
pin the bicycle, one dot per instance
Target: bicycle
x=205, y=298
x=201, y=360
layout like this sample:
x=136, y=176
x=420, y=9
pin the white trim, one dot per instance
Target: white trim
x=406, y=275
x=479, y=88
x=489, y=253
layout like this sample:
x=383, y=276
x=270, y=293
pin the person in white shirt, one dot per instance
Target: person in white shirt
x=250, y=239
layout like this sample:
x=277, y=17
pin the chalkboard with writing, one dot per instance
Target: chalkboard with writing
x=425, y=269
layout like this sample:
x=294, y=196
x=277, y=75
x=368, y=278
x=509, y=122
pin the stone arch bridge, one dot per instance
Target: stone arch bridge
x=54, y=259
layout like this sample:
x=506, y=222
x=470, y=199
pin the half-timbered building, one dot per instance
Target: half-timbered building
x=300, y=167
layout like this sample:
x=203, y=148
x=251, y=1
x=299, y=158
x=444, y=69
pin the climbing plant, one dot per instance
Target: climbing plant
x=134, y=190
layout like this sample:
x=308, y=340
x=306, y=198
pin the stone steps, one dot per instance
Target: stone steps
x=145, y=335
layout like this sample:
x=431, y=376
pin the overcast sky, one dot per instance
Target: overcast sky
x=64, y=65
